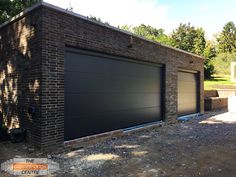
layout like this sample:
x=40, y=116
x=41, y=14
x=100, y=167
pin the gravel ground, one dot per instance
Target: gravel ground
x=201, y=147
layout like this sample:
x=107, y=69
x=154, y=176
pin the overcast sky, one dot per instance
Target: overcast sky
x=211, y=15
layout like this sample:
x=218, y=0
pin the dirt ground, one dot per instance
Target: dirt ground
x=205, y=146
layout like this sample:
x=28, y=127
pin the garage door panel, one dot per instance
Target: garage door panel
x=189, y=87
x=187, y=105
x=82, y=104
x=104, y=94
x=89, y=82
x=186, y=77
x=105, y=65
x=190, y=110
x=187, y=93
x=101, y=123
x=187, y=98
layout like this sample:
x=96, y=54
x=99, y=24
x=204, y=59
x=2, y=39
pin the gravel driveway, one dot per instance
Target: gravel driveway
x=202, y=147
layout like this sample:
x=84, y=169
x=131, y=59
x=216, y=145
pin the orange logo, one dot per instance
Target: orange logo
x=30, y=166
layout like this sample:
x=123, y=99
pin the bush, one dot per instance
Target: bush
x=222, y=63
x=209, y=70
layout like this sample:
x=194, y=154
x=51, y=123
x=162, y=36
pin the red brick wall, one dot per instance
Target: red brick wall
x=210, y=93
x=215, y=103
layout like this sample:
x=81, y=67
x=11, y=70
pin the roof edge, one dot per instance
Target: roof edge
x=41, y=3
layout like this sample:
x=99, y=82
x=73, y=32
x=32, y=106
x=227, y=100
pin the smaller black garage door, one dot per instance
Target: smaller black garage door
x=104, y=93
x=188, y=90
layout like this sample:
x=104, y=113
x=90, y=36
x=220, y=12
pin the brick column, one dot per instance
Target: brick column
x=52, y=106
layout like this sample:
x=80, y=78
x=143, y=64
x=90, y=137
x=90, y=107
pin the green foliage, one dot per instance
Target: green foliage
x=10, y=8
x=222, y=63
x=97, y=19
x=199, y=42
x=5, y=8
x=126, y=28
x=210, y=50
x=3, y=127
x=209, y=54
x=189, y=38
x=209, y=69
x=185, y=37
x=148, y=32
x=227, y=38
x=226, y=49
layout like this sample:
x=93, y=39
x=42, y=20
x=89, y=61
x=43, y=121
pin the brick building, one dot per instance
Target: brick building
x=64, y=76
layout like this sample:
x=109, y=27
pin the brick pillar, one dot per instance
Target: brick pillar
x=171, y=89
x=52, y=106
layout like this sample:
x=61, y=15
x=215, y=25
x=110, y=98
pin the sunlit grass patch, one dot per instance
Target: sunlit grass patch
x=219, y=82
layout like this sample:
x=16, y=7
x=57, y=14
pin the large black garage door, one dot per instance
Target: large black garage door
x=187, y=93
x=104, y=93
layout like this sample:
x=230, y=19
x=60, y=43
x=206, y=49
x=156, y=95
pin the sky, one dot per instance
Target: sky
x=211, y=15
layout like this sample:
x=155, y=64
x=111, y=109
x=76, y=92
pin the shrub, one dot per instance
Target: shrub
x=222, y=63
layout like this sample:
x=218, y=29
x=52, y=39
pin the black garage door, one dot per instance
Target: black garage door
x=187, y=93
x=104, y=93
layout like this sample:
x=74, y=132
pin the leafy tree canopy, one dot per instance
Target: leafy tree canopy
x=97, y=19
x=222, y=63
x=148, y=32
x=209, y=54
x=189, y=38
x=10, y=8
x=227, y=38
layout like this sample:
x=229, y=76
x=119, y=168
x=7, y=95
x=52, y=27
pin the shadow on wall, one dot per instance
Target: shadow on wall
x=19, y=73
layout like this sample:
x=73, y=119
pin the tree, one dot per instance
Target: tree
x=10, y=8
x=209, y=54
x=223, y=61
x=189, y=38
x=199, y=42
x=97, y=19
x=126, y=28
x=227, y=38
x=148, y=32
x=184, y=37
x=5, y=6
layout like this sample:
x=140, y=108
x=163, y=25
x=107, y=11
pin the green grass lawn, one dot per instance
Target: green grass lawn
x=219, y=82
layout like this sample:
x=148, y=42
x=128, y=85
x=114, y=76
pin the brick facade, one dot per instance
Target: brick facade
x=20, y=73
x=40, y=38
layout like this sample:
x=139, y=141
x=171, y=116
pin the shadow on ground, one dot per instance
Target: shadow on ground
x=201, y=147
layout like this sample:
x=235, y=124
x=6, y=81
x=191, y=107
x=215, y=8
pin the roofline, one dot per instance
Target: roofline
x=41, y=3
